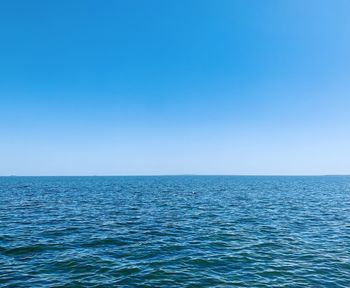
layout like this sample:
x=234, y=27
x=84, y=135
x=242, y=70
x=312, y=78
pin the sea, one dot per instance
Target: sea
x=175, y=231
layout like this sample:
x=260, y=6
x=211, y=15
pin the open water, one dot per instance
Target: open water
x=180, y=231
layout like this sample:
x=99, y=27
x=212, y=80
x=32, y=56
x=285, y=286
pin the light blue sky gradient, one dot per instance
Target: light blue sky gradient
x=174, y=87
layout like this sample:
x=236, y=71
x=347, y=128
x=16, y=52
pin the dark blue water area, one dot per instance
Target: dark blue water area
x=180, y=231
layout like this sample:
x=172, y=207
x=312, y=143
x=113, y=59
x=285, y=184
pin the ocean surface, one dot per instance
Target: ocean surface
x=180, y=231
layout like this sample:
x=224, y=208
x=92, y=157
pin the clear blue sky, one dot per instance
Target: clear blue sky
x=174, y=87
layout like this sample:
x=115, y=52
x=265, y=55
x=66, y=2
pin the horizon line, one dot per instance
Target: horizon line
x=177, y=175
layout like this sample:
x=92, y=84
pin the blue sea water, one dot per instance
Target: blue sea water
x=181, y=231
